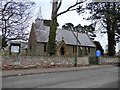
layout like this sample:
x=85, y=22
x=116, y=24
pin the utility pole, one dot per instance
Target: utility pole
x=77, y=42
x=76, y=55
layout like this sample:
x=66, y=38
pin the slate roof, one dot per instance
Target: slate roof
x=69, y=38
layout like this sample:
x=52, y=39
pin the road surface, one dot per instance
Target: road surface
x=89, y=78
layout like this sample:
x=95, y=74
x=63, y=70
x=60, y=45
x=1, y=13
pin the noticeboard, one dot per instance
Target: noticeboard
x=14, y=48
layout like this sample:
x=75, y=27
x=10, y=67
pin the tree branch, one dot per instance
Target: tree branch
x=103, y=24
x=58, y=6
x=69, y=9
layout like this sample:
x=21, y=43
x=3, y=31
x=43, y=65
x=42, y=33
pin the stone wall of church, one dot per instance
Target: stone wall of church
x=70, y=50
x=39, y=50
x=92, y=52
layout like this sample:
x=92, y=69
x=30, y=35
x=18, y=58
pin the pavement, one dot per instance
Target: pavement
x=19, y=72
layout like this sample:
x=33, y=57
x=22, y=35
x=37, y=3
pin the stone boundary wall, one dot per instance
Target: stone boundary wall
x=40, y=61
x=109, y=60
x=24, y=62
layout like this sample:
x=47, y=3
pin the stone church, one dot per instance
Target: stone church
x=66, y=41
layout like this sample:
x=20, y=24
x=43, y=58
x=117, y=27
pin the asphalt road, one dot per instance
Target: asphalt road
x=89, y=78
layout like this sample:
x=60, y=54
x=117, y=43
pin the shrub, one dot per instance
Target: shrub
x=93, y=60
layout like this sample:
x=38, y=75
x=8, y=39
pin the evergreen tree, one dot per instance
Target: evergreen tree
x=88, y=29
x=99, y=47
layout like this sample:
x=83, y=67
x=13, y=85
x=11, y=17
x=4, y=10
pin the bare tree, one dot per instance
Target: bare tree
x=14, y=19
x=56, y=4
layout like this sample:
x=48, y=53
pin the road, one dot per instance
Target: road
x=89, y=78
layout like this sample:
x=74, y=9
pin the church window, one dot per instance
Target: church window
x=44, y=47
x=62, y=50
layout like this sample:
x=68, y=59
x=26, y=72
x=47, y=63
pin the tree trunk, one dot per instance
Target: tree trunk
x=111, y=23
x=4, y=42
x=111, y=43
x=51, y=48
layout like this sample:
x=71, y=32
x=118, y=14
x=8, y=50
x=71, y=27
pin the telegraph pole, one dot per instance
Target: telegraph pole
x=77, y=42
x=76, y=55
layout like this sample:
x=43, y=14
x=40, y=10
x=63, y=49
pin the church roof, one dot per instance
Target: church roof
x=69, y=38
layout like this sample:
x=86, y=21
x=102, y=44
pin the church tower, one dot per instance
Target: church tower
x=39, y=20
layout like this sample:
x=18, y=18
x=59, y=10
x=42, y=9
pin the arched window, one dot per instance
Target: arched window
x=62, y=50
